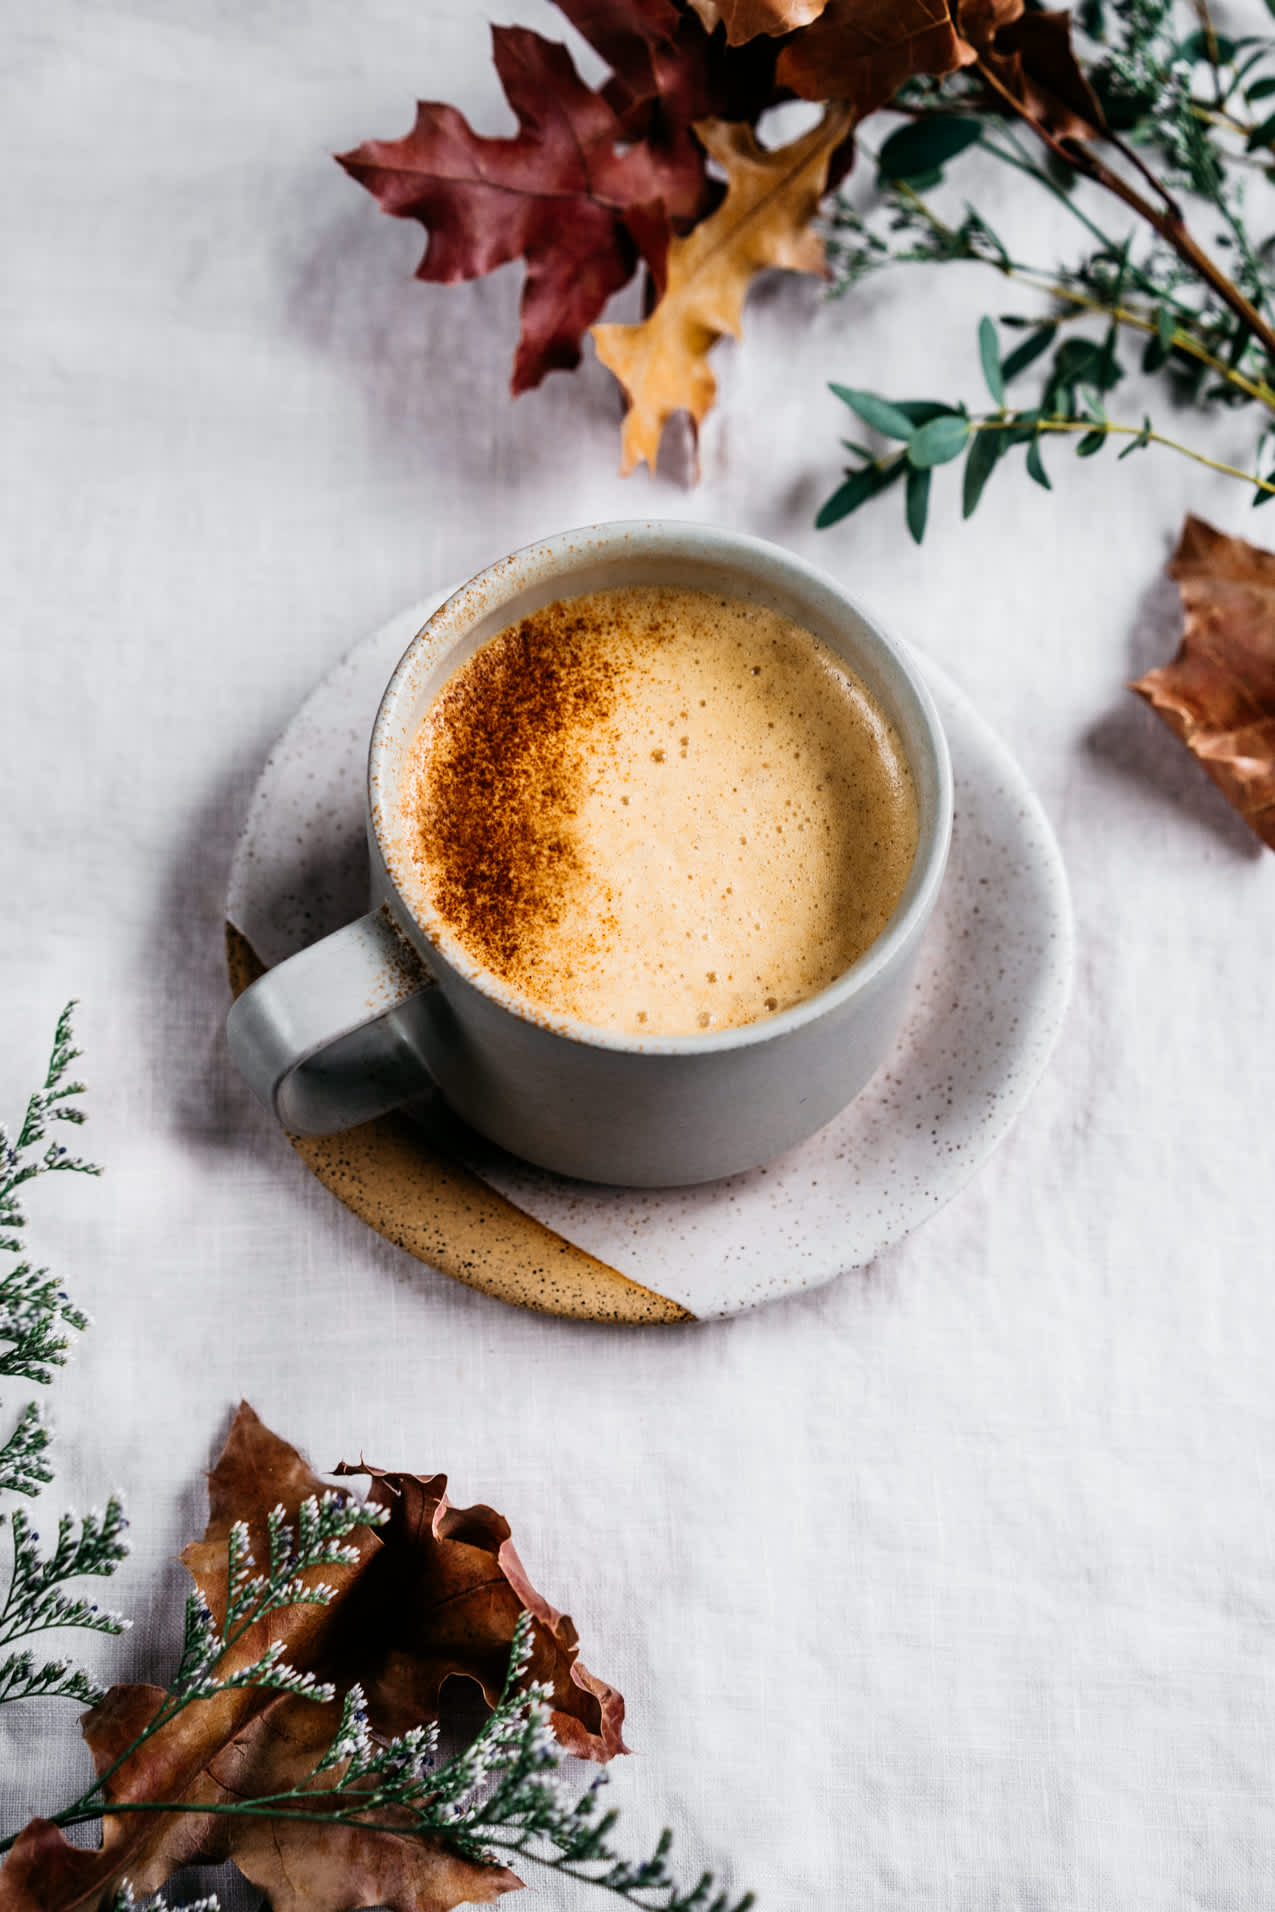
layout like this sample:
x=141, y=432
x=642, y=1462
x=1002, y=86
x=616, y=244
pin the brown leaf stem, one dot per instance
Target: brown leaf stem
x=1133, y=158
x=1168, y=222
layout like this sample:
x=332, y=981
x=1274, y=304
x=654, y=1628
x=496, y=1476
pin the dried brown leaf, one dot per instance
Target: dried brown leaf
x=764, y=220
x=434, y=1595
x=567, y=194
x=1218, y=694
x=442, y=1600
x=1032, y=57
x=861, y=51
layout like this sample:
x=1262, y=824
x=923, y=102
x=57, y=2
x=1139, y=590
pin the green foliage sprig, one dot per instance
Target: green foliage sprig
x=37, y=1320
x=502, y=1795
x=1188, y=122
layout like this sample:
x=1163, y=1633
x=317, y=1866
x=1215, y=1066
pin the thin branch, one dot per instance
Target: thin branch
x=1181, y=341
x=1012, y=423
x=1019, y=161
x=1043, y=281
x=1168, y=223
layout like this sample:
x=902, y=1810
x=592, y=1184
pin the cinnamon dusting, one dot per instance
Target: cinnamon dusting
x=509, y=759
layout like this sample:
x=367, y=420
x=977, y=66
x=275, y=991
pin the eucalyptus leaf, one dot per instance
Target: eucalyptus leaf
x=1035, y=468
x=1029, y=351
x=1109, y=372
x=1260, y=90
x=1211, y=49
x=938, y=442
x=917, y=503
x=1139, y=443
x=989, y=352
x=986, y=449
x=1026, y=426
x=924, y=146
x=868, y=482
x=1261, y=135
x=922, y=410
x=1090, y=443
x=1081, y=362
x=856, y=491
x=890, y=420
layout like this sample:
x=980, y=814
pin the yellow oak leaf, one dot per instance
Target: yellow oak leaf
x=764, y=220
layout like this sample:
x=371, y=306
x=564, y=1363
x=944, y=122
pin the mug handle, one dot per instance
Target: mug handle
x=329, y=1038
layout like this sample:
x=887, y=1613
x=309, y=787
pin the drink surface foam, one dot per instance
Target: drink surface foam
x=658, y=811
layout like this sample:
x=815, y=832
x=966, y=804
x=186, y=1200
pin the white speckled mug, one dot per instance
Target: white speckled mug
x=366, y=1019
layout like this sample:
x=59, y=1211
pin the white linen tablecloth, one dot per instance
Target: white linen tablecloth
x=950, y=1585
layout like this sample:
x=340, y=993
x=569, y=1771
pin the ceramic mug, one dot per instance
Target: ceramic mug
x=377, y=1013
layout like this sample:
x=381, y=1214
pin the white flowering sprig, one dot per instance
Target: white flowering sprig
x=37, y=1319
x=527, y=1813
x=501, y=1796
x=36, y=1315
x=206, y=1666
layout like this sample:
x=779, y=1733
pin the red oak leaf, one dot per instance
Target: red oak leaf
x=567, y=194
x=667, y=73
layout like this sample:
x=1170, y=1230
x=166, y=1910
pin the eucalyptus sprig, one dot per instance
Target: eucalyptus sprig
x=37, y=1320
x=931, y=433
x=1188, y=126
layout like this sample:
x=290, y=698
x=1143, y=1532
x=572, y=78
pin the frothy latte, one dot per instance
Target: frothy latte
x=658, y=811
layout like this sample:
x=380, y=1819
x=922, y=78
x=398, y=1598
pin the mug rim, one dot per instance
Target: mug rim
x=759, y=559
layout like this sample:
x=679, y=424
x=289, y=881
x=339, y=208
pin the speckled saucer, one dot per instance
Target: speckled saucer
x=988, y=1003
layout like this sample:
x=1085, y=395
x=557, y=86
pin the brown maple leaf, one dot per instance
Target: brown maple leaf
x=1218, y=694
x=566, y=194
x=764, y=220
x=433, y=1596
